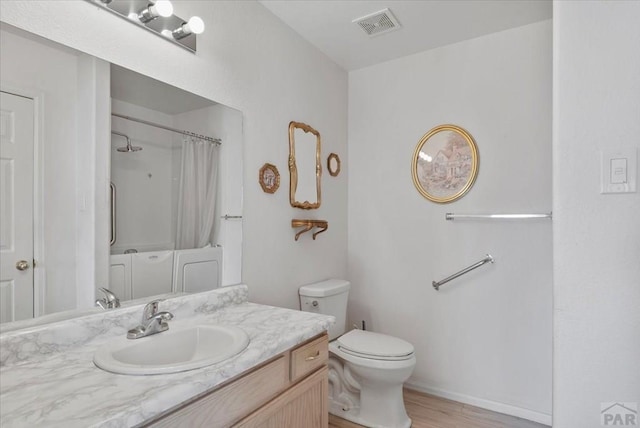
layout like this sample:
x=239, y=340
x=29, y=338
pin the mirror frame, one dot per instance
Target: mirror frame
x=293, y=169
x=333, y=171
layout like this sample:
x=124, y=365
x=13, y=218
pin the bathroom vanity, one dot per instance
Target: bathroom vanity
x=289, y=390
x=48, y=378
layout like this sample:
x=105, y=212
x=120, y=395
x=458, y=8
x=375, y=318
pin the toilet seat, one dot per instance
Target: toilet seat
x=374, y=346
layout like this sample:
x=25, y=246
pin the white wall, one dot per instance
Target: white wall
x=229, y=128
x=93, y=105
x=143, y=180
x=52, y=74
x=484, y=338
x=249, y=60
x=596, y=239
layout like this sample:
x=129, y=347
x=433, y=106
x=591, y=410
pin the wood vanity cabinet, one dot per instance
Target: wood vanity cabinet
x=288, y=391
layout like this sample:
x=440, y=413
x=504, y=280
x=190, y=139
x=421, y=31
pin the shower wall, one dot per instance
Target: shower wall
x=225, y=123
x=143, y=179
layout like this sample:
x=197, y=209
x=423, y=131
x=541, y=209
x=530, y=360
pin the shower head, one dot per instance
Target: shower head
x=129, y=147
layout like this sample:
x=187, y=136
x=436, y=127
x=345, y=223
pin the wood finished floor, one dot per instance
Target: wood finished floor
x=429, y=411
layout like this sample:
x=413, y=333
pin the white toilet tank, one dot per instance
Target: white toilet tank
x=328, y=298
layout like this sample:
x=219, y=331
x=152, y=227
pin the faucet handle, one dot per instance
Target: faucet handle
x=110, y=299
x=151, y=309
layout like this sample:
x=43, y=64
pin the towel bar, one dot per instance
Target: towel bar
x=452, y=216
x=487, y=259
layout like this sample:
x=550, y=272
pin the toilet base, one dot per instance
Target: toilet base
x=353, y=415
x=370, y=400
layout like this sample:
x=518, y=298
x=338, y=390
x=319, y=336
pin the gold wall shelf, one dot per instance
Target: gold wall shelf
x=308, y=225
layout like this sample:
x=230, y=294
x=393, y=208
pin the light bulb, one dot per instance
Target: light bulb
x=195, y=25
x=162, y=8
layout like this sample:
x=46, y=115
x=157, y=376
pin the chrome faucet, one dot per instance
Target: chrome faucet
x=152, y=321
x=109, y=301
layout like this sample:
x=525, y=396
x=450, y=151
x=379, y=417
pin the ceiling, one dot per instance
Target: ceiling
x=425, y=24
x=135, y=88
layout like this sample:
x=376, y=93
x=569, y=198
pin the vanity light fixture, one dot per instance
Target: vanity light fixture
x=156, y=16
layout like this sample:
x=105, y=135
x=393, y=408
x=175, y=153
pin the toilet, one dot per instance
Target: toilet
x=366, y=369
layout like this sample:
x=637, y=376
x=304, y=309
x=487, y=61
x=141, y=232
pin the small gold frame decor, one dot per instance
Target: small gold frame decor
x=333, y=165
x=269, y=178
x=445, y=164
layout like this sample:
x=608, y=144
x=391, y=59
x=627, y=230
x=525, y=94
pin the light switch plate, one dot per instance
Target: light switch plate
x=619, y=170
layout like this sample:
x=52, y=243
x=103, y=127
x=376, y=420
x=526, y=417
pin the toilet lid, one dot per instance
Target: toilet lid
x=378, y=345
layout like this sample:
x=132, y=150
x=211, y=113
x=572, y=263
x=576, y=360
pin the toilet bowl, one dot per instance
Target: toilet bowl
x=380, y=369
x=366, y=370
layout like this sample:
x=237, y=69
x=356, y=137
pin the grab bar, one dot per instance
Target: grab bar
x=452, y=216
x=113, y=213
x=229, y=217
x=487, y=259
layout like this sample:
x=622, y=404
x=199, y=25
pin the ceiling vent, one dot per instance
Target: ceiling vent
x=378, y=23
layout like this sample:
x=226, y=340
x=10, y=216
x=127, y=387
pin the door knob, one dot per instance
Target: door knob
x=22, y=265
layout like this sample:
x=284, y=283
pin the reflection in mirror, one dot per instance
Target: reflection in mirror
x=167, y=198
x=64, y=91
x=304, y=166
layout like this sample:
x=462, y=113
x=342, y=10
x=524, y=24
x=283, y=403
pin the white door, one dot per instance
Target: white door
x=16, y=207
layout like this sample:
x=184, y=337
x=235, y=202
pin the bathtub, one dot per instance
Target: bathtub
x=149, y=273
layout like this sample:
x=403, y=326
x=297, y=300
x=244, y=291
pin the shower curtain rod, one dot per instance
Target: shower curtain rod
x=217, y=141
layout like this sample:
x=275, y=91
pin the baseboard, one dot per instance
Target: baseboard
x=494, y=406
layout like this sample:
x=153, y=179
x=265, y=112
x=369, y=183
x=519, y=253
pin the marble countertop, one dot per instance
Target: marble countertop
x=47, y=375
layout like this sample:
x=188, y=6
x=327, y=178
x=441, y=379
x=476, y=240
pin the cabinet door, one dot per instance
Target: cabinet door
x=304, y=405
x=224, y=406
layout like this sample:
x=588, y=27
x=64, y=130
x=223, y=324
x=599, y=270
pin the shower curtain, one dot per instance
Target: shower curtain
x=197, y=194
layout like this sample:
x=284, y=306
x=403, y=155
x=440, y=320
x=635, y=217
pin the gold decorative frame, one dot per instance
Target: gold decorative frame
x=269, y=178
x=333, y=171
x=445, y=164
x=293, y=170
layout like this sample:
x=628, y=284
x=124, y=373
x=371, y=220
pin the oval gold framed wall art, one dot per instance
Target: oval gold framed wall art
x=445, y=162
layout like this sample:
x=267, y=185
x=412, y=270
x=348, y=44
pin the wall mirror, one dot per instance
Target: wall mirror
x=304, y=166
x=139, y=167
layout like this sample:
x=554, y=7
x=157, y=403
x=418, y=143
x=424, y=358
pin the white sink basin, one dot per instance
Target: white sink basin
x=172, y=351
